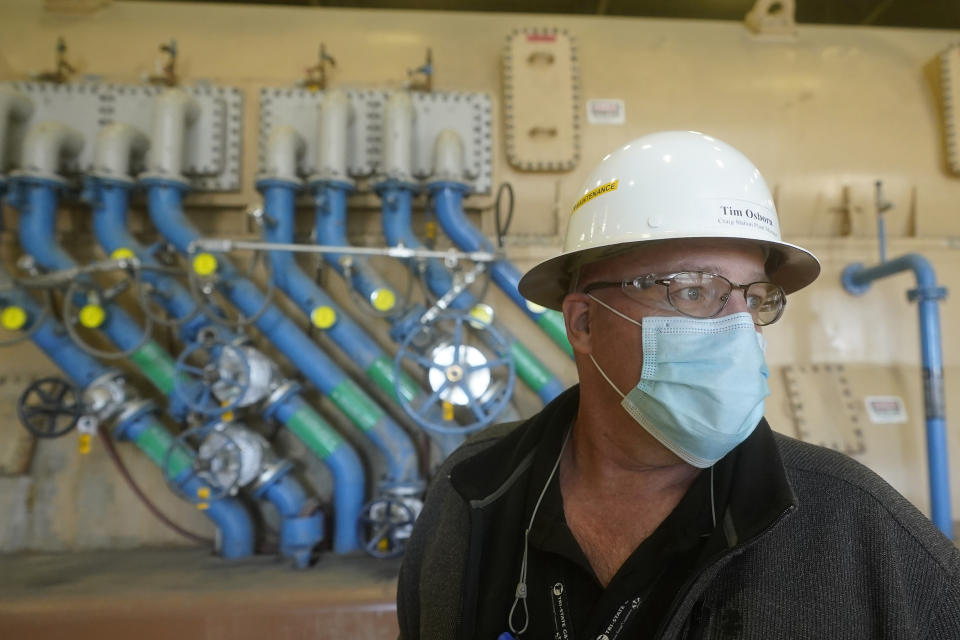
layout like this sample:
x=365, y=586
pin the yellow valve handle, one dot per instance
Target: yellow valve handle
x=92, y=316
x=323, y=317
x=84, y=444
x=122, y=253
x=481, y=313
x=383, y=299
x=431, y=230
x=13, y=318
x=204, y=264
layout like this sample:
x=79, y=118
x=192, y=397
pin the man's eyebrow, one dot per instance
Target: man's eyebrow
x=758, y=276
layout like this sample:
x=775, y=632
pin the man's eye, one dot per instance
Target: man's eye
x=692, y=294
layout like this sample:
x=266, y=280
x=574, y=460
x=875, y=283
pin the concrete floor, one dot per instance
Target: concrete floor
x=188, y=594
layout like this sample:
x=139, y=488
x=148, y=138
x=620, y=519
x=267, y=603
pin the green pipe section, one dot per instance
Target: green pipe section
x=157, y=365
x=356, y=405
x=529, y=368
x=381, y=372
x=155, y=441
x=314, y=432
x=552, y=324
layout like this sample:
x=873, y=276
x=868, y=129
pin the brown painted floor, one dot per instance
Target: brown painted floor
x=189, y=594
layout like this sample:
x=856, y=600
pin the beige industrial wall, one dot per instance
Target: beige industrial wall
x=823, y=115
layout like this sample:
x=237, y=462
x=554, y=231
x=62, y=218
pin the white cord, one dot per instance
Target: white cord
x=521, y=592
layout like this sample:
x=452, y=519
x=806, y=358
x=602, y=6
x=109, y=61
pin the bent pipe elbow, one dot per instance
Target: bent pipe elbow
x=116, y=146
x=45, y=147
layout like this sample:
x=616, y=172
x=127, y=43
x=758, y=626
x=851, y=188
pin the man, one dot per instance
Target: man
x=653, y=500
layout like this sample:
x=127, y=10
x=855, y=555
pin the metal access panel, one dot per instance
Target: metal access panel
x=469, y=114
x=825, y=411
x=213, y=146
x=541, y=100
x=950, y=97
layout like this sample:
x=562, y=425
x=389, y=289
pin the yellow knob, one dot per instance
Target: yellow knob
x=323, y=317
x=227, y=416
x=431, y=230
x=92, y=316
x=383, y=299
x=204, y=264
x=83, y=446
x=122, y=254
x=203, y=493
x=483, y=313
x=447, y=411
x=13, y=318
x=536, y=308
x=203, y=506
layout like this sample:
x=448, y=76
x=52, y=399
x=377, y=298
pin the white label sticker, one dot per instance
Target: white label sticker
x=606, y=111
x=885, y=409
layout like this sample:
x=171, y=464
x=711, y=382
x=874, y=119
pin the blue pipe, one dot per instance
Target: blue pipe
x=166, y=210
x=37, y=201
x=397, y=201
x=38, y=221
x=111, y=204
x=448, y=203
x=330, y=198
x=279, y=197
x=857, y=280
x=228, y=514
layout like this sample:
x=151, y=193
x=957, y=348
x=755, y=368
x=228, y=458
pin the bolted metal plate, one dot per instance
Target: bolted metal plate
x=825, y=411
x=541, y=100
x=213, y=146
x=470, y=114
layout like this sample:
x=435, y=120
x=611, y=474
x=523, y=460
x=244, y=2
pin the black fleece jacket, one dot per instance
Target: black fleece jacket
x=817, y=546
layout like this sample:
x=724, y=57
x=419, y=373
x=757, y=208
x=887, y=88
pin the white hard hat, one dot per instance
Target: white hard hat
x=664, y=186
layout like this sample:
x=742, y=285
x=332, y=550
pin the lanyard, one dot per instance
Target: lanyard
x=611, y=631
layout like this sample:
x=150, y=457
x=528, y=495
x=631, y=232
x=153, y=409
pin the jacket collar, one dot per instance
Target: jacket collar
x=758, y=494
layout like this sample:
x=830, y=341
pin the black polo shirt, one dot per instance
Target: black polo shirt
x=565, y=598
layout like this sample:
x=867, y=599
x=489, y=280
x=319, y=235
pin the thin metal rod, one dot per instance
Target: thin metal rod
x=221, y=245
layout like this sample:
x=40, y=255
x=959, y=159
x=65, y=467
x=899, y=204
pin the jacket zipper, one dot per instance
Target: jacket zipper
x=726, y=555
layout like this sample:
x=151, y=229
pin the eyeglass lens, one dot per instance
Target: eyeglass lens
x=704, y=295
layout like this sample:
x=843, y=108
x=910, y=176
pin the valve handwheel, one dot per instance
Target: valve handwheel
x=49, y=407
x=93, y=313
x=213, y=376
x=459, y=373
x=384, y=526
x=217, y=464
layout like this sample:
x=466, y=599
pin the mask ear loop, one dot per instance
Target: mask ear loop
x=520, y=595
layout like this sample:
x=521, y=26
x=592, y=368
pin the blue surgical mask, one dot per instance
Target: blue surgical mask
x=703, y=383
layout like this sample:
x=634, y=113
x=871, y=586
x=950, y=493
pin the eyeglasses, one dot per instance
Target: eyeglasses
x=704, y=295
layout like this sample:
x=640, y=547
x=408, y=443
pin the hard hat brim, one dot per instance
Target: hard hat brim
x=546, y=284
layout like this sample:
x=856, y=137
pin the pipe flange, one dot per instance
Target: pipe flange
x=271, y=473
x=134, y=409
x=178, y=180
x=121, y=180
x=106, y=395
x=280, y=393
x=28, y=174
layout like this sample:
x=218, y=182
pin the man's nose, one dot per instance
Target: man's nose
x=736, y=303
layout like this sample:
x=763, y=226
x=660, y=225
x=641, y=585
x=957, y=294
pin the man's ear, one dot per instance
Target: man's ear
x=576, y=316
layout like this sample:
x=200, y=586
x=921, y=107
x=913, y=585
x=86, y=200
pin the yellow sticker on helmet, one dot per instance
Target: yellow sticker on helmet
x=92, y=316
x=13, y=318
x=593, y=193
x=383, y=299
